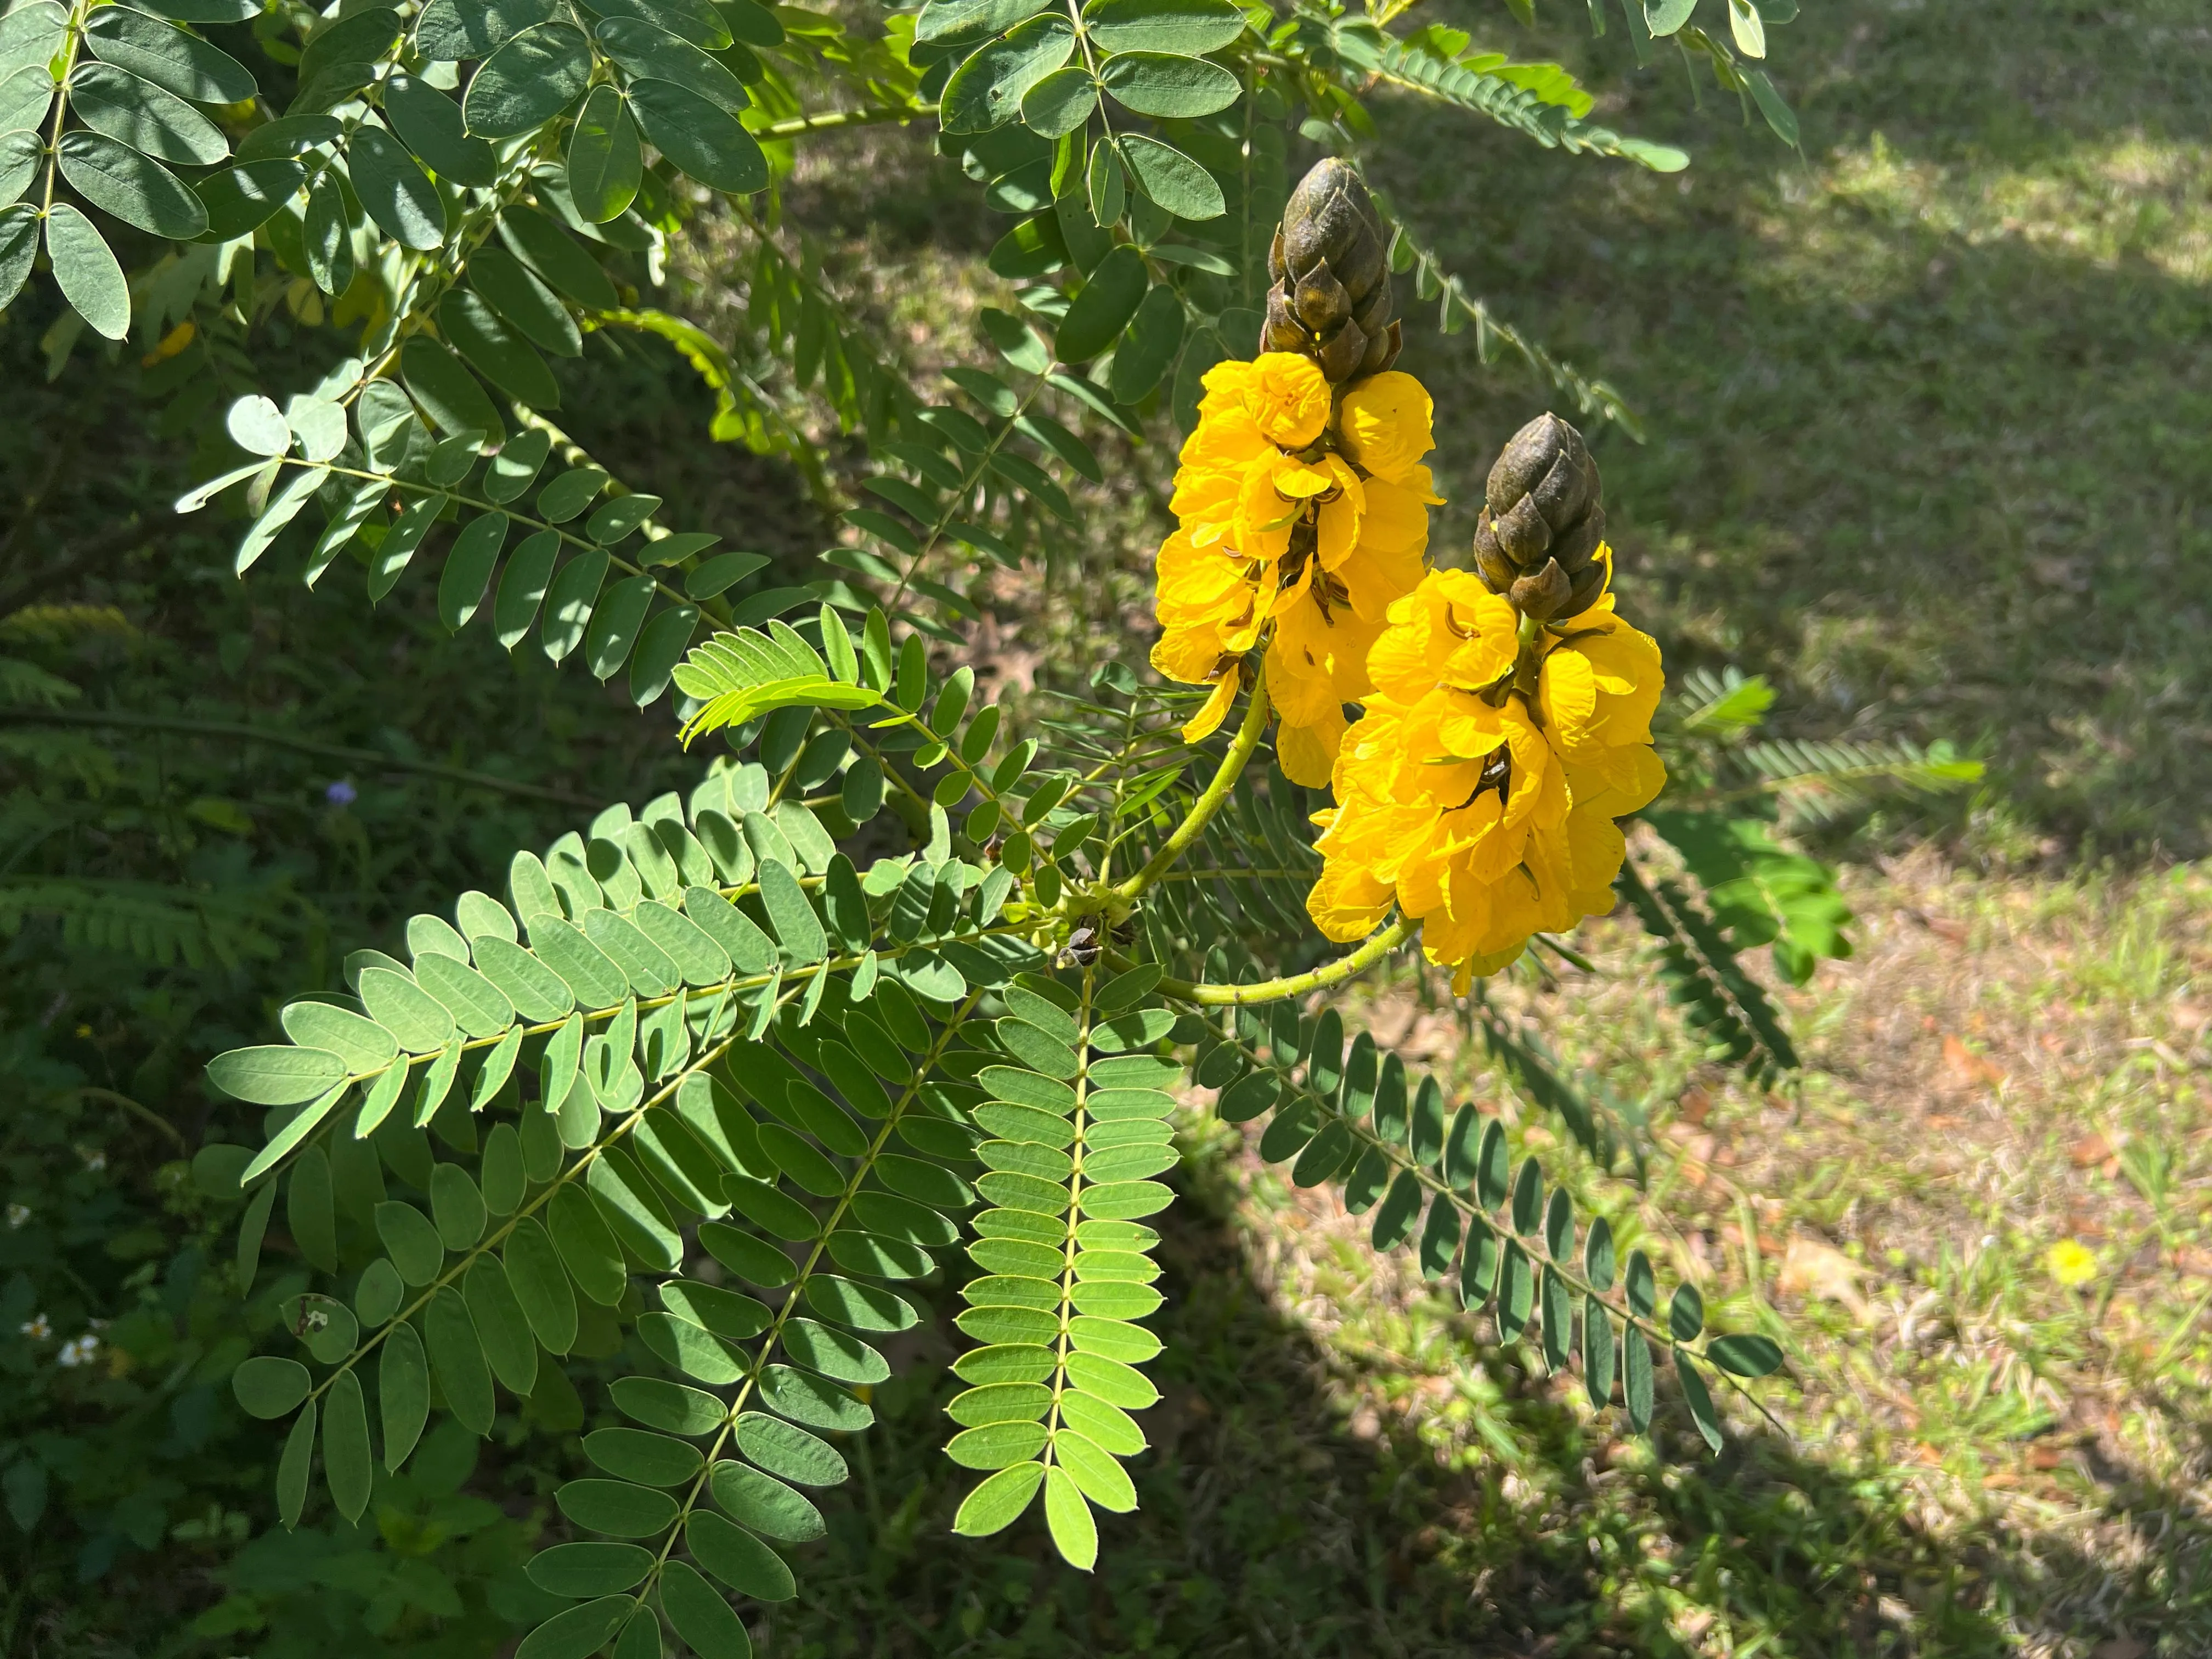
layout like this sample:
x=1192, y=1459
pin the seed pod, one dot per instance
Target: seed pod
x=1331, y=266
x=1542, y=523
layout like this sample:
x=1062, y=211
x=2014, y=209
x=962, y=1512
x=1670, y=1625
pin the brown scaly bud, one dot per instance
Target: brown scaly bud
x=1542, y=523
x=1331, y=266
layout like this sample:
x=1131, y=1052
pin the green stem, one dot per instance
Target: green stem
x=844, y=117
x=1377, y=946
x=1216, y=792
x=248, y=733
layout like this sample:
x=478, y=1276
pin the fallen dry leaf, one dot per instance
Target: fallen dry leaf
x=1696, y=1103
x=2118, y=1647
x=1968, y=1067
x=1810, y=1268
x=2091, y=1149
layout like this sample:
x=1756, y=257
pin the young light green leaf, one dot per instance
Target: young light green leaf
x=998, y=1501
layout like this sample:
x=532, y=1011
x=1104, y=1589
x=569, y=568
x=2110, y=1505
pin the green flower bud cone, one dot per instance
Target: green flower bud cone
x=1543, y=522
x=1330, y=262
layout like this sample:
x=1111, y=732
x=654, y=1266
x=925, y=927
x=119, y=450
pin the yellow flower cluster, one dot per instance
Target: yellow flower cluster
x=1478, y=792
x=1291, y=512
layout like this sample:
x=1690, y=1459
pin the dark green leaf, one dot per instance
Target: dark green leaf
x=652, y=53
x=764, y=1504
x=577, y=1569
x=579, y=1632
x=396, y=193
x=605, y=161
x=1177, y=25
x=497, y=351
x=616, y=1508
x=986, y=91
x=1745, y=1354
x=1165, y=84
x=1172, y=179
x=403, y=1389
x=706, y=1622
x=558, y=258
x=1699, y=1399
x=346, y=1459
x=738, y=1558
x=240, y=199
x=429, y=123
x=528, y=81
x=139, y=191
x=137, y=112
x=702, y=139
x=1060, y=102
x=449, y=394
x=161, y=52
x=526, y=304
x=268, y=1387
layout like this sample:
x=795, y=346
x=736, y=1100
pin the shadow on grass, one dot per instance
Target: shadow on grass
x=1922, y=410
x=1272, y=1522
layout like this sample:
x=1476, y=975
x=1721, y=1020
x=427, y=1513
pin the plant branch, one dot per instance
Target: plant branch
x=1211, y=799
x=1377, y=946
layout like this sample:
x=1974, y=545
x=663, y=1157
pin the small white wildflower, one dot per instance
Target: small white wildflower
x=80, y=1351
x=36, y=1328
x=17, y=1215
x=95, y=1160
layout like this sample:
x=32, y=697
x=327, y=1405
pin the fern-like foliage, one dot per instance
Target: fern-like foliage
x=1443, y=1182
x=716, y=1082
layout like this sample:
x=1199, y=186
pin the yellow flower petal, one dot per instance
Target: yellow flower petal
x=1386, y=419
